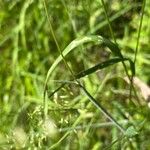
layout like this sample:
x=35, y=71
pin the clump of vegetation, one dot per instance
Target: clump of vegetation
x=74, y=74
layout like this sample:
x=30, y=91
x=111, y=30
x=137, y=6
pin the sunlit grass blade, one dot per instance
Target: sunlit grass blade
x=94, y=125
x=104, y=65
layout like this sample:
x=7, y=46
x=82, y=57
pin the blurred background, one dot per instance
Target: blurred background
x=28, y=50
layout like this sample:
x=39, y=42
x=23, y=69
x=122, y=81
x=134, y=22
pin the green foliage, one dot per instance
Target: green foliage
x=131, y=132
x=41, y=42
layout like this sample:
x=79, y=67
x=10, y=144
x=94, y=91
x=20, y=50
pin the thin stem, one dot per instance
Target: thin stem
x=139, y=31
x=123, y=63
x=54, y=37
x=110, y=27
x=112, y=34
x=102, y=109
x=55, y=40
x=138, y=39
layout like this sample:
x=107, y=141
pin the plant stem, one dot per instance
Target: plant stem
x=123, y=63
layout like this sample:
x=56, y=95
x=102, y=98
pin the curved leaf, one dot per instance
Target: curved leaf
x=79, y=41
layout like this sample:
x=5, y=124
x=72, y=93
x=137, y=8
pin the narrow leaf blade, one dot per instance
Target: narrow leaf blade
x=99, y=66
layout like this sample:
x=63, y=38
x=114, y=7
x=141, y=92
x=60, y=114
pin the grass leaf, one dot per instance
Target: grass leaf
x=131, y=132
x=80, y=41
x=103, y=65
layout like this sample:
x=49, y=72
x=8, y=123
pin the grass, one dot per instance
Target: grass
x=77, y=53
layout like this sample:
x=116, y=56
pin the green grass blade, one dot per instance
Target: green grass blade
x=56, y=90
x=132, y=66
x=102, y=109
x=104, y=65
